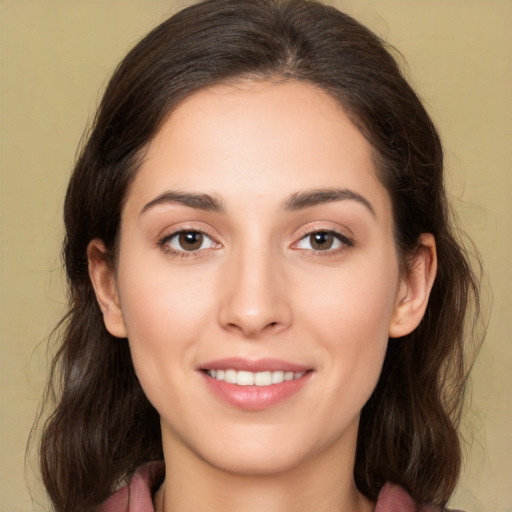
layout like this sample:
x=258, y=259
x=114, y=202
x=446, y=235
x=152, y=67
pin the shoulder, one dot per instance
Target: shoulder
x=393, y=498
x=137, y=496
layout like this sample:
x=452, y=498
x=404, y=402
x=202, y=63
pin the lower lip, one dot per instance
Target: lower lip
x=255, y=398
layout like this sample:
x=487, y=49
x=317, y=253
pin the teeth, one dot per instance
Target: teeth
x=263, y=378
x=243, y=378
x=277, y=377
x=230, y=376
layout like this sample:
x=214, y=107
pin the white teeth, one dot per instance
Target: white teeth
x=277, y=377
x=263, y=378
x=230, y=376
x=244, y=378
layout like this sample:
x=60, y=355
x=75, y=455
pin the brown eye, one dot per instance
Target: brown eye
x=190, y=240
x=321, y=241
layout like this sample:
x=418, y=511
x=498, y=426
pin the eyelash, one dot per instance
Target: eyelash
x=344, y=242
x=164, y=243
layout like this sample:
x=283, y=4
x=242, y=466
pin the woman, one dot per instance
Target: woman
x=265, y=289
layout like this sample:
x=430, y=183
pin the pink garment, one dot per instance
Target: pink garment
x=138, y=495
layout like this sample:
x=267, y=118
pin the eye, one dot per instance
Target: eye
x=188, y=241
x=323, y=241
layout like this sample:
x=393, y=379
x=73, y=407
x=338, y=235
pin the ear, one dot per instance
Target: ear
x=414, y=289
x=102, y=274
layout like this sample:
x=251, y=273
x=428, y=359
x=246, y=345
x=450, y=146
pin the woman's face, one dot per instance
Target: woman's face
x=257, y=247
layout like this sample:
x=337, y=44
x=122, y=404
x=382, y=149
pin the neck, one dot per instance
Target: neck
x=323, y=483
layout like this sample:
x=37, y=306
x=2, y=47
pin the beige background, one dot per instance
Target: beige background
x=55, y=58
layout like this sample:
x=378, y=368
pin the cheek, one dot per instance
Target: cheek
x=353, y=302
x=157, y=295
x=164, y=311
x=164, y=316
x=349, y=317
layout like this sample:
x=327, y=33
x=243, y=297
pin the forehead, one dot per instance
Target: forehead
x=258, y=140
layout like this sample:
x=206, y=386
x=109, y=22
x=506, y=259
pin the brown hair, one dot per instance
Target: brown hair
x=103, y=426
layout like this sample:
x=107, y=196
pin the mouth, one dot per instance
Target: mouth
x=255, y=385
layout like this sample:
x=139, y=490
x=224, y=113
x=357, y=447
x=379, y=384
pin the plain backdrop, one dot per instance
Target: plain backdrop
x=55, y=59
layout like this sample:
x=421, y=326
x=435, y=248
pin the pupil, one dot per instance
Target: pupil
x=191, y=241
x=321, y=241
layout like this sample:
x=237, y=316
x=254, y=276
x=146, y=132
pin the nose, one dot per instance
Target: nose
x=255, y=295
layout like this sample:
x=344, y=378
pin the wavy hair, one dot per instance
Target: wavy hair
x=103, y=426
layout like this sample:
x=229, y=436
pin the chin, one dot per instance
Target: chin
x=261, y=455
x=256, y=464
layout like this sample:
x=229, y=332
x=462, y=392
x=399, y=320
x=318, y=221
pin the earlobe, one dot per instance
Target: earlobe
x=102, y=275
x=414, y=290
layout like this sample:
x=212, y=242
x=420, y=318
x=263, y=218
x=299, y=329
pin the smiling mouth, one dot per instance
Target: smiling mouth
x=246, y=378
x=254, y=385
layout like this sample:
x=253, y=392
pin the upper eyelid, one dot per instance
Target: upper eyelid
x=340, y=236
x=177, y=232
x=325, y=224
x=306, y=231
x=170, y=231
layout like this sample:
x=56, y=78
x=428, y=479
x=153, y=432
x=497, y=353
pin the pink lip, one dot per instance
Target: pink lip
x=254, y=398
x=258, y=365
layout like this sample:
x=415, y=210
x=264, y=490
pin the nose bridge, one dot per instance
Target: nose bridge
x=254, y=298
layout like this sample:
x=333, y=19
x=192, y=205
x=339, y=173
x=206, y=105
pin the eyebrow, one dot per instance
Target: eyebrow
x=308, y=198
x=297, y=201
x=190, y=199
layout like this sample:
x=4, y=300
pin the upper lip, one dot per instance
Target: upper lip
x=256, y=365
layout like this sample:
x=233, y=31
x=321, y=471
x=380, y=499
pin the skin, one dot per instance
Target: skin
x=257, y=288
